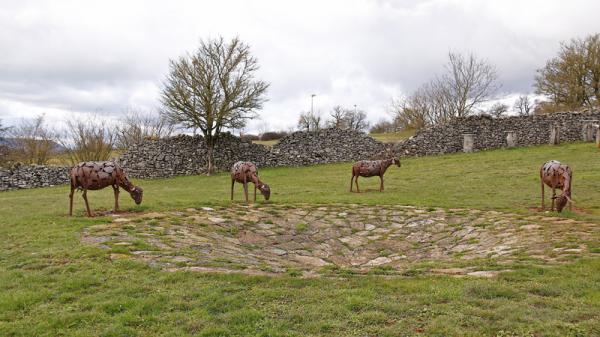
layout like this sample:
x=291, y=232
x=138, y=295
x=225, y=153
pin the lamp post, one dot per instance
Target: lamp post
x=312, y=96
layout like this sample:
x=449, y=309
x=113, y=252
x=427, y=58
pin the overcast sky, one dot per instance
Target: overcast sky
x=67, y=58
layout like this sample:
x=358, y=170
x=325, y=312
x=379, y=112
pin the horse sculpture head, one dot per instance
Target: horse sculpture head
x=136, y=194
x=561, y=201
x=396, y=161
x=265, y=190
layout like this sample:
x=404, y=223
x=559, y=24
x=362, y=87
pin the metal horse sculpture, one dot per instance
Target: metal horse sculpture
x=557, y=175
x=96, y=175
x=244, y=172
x=370, y=168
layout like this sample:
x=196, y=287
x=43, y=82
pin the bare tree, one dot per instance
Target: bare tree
x=572, y=79
x=310, y=122
x=4, y=150
x=414, y=111
x=356, y=120
x=523, y=105
x=343, y=118
x=138, y=125
x=213, y=89
x=338, y=117
x=428, y=105
x=89, y=139
x=316, y=121
x=469, y=81
x=498, y=109
x=304, y=121
x=32, y=141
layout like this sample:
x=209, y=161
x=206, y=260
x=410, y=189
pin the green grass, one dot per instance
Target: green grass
x=52, y=285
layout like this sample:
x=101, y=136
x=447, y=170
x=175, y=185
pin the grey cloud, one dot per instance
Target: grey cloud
x=88, y=56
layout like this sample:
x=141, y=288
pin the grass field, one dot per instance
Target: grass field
x=266, y=142
x=390, y=137
x=53, y=285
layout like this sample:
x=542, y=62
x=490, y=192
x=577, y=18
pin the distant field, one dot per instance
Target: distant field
x=63, y=159
x=392, y=137
x=382, y=137
x=266, y=142
x=52, y=284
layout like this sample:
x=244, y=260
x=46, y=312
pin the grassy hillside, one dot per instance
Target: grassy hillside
x=392, y=137
x=51, y=284
x=389, y=137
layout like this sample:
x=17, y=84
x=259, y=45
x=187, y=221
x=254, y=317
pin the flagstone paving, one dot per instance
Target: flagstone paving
x=312, y=240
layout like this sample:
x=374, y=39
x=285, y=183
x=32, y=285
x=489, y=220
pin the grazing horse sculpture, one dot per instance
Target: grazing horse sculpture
x=370, y=168
x=244, y=172
x=96, y=175
x=557, y=175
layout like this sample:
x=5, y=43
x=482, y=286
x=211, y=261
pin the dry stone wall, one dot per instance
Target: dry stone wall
x=491, y=133
x=26, y=176
x=325, y=146
x=186, y=155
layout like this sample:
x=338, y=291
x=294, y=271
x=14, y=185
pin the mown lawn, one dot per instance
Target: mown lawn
x=52, y=285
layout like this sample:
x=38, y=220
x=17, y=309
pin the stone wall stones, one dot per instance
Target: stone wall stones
x=325, y=146
x=31, y=176
x=491, y=133
x=186, y=155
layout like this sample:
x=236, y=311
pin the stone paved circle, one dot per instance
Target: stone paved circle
x=313, y=239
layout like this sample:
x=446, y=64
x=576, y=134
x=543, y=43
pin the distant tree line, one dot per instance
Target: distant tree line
x=466, y=83
x=33, y=141
x=571, y=80
x=340, y=118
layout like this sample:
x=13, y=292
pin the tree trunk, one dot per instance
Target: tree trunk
x=210, y=158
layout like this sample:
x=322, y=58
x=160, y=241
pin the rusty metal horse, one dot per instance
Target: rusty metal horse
x=557, y=175
x=96, y=175
x=371, y=168
x=244, y=172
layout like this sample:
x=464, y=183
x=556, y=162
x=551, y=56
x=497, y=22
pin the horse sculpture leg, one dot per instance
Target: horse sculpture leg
x=543, y=201
x=232, y=183
x=254, y=192
x=116, y=190
x=357, y=189
x=246, y=189
x=553, y=198
x=87, y=205
x=381, y=184
x=71, y=200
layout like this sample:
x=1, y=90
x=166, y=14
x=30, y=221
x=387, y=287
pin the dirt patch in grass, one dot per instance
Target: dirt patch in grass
x=312, y=240
x=547, y=210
